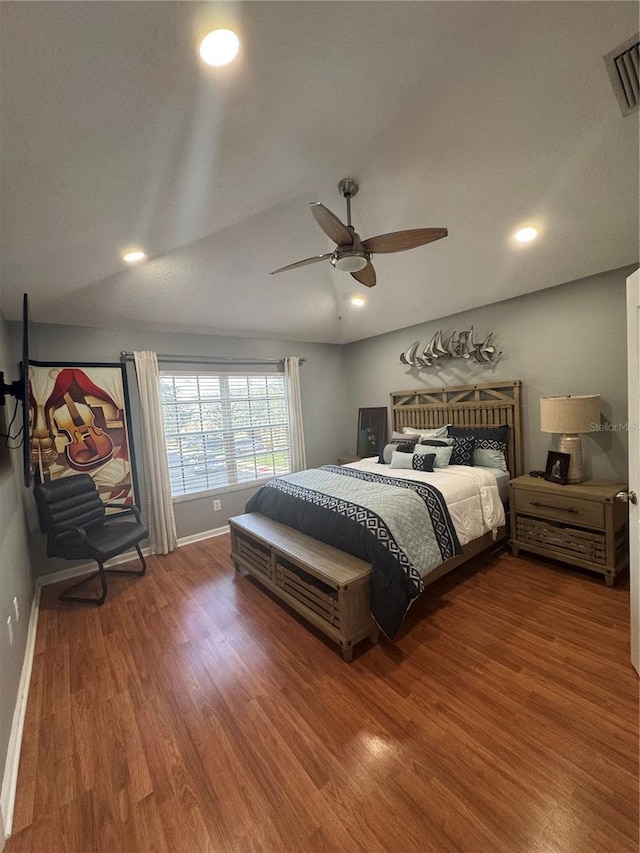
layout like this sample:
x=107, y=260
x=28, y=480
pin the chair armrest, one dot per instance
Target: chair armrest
x=80, y=531
x=124, y=509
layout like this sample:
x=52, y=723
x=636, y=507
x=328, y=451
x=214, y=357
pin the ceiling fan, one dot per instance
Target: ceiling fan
x=353, y=254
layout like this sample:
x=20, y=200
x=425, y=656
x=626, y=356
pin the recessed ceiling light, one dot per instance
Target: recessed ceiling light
x=135, y=256
x=358, y=301
x=526, y=235
x=219, y=47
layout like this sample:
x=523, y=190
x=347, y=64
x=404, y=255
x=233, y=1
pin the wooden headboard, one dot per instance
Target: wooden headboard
x=465, y=406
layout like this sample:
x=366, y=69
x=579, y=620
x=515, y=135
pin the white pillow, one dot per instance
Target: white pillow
x=438, y=432
x=423, y=448
x=489, y=459
x=443, y=454
x=401, y=460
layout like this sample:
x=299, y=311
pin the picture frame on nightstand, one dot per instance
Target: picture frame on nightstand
x=557, y=470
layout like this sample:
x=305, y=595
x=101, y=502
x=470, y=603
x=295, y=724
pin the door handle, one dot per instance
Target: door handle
x=627, y=497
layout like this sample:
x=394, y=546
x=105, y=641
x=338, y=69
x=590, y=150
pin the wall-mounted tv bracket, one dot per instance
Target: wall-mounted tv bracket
x=13, y=388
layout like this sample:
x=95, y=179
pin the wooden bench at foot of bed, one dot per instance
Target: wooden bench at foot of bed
x=326, y=586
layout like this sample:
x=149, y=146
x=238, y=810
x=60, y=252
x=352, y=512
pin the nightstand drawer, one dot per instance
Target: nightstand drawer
x=560, y=507
x=567, y=541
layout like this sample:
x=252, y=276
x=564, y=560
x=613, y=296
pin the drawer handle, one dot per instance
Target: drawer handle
x=549, y=506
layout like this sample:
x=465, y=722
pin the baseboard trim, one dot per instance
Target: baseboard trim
x=204, y=534
x=10, y=778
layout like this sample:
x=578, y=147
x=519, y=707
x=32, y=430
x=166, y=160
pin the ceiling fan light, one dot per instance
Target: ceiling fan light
x=350, y=263
x=526, y=235
x=134, y=256
x=219, y=47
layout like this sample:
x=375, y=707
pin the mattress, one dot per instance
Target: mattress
x=472, y=495
x=502, y=479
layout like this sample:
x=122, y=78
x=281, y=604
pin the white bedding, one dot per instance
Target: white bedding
x=472, y=494
x=502, y=479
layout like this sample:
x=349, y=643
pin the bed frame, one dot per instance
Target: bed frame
x=465, y=406
x=312, y=577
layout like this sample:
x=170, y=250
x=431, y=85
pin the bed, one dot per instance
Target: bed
x=408, y=527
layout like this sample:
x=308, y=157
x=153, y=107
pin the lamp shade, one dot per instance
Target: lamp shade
x=569, y=414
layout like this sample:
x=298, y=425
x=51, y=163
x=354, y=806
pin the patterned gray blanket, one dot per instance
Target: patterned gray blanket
x=403, y=528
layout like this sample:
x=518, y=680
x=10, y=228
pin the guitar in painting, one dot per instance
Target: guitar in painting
x=88, y=445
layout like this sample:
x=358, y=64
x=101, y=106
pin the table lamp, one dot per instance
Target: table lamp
x=569, y=416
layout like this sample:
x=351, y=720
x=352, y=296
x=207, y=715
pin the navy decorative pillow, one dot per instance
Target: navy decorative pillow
x=404, y=445
x=498, y=433
x=438, y=442
x=491, y=444
x=463, y=450
x=423, y=461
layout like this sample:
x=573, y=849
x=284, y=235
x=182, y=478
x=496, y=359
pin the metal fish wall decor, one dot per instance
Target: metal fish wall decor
x=457, y=345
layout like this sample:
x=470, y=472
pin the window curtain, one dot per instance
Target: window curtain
x=296, y=427
x=160, y=517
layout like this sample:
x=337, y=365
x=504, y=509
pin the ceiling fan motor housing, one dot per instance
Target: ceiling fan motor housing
x=350, y=254
x=349, y=259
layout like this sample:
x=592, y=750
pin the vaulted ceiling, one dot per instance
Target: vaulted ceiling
x=476, y=116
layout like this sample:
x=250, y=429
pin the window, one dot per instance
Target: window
x=224, y=430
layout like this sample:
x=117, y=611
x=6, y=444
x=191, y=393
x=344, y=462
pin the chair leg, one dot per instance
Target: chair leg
x=138, y=572
x=64, y=595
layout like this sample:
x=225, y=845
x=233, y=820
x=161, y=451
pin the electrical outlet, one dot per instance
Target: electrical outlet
x=16, y=608
x=217, y=506
x=10, y=630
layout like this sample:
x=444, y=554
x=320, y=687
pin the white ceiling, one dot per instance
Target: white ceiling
x=476, y=116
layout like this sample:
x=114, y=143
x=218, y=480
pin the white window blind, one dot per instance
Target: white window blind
x=224, y=430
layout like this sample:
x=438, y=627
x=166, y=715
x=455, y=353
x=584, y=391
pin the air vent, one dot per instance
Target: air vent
x=622, y=65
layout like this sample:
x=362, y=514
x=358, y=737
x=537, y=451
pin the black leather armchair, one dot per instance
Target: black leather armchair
x=74, y=518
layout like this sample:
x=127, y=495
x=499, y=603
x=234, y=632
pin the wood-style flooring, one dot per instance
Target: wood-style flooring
x=194, y=714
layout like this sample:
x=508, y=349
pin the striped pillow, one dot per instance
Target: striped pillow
x=405, y=444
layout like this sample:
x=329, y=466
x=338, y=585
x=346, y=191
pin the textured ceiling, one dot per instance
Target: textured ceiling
x=476, y=116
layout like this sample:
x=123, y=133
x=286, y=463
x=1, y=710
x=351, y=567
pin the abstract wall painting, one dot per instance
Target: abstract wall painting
x=80, y=423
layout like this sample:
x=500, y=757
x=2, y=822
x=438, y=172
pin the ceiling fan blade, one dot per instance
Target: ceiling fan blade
x=331, y=225
x=313, y=260
x=366, y=276
x=399, y=241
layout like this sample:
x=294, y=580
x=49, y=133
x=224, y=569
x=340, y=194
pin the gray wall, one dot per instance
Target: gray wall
x=324, y=402
x=569, y=339
x=15, y=574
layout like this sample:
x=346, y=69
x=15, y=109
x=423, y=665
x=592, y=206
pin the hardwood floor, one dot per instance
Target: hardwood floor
x=194, y=714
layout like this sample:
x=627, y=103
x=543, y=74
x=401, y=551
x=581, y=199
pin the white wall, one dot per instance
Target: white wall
x=15, y=574
x=569, y=339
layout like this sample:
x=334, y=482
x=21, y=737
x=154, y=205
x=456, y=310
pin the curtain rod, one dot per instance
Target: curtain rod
x=204, y=359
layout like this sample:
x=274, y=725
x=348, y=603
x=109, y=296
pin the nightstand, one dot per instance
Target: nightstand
x=344, y=460
x=582, y=524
